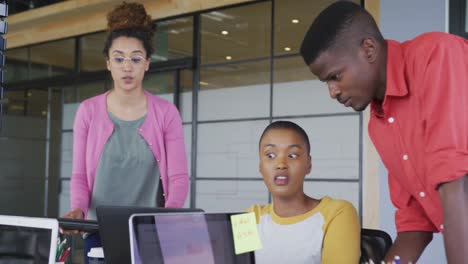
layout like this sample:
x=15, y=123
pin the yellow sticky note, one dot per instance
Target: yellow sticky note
x=245, y=233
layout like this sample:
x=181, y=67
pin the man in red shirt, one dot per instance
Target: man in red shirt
x=418, y=92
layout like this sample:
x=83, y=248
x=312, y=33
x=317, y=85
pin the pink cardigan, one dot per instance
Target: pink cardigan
x=162, y=130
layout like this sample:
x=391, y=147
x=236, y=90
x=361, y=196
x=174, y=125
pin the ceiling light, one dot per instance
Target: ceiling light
x=228, y=58
x=287, y=49
x=224, y=32
x=295, y=21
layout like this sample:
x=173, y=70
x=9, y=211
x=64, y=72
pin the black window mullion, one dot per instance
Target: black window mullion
x=457, y=17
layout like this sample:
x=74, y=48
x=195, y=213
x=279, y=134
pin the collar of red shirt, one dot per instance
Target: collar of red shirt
x=395, y=83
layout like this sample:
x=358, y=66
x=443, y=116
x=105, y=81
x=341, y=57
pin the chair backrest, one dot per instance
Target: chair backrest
x=374, y=245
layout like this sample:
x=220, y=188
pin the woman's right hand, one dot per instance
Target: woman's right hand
x=75, y=214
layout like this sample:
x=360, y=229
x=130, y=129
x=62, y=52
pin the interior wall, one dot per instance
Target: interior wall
x=22, y=164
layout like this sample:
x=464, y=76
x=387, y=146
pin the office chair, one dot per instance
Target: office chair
x=374, y=245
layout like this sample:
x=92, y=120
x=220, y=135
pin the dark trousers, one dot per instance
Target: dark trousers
x=93, y=240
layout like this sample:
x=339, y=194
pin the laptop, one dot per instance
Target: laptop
x=28, y=240
x=175, y=238
x=113, y=229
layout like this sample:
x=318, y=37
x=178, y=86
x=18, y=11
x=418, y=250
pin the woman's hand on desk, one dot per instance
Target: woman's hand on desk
x=75, y=214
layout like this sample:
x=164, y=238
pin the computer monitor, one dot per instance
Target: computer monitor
x=28, y=240
x=174, y=238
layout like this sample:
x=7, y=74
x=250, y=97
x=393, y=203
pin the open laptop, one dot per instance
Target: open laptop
x=174, y=238
x=28, y=240
x=113, y=229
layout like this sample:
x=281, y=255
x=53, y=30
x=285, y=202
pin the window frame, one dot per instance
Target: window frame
x=457, y=18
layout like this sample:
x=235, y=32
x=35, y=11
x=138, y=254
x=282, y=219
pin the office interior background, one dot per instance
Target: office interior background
x=231, y=67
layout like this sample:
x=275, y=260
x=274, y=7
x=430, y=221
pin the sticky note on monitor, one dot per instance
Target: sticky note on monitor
x=245, y=233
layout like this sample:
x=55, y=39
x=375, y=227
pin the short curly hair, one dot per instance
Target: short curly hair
x=130, y=20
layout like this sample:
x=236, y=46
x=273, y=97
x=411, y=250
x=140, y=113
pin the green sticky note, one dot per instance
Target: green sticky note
x=245, y=233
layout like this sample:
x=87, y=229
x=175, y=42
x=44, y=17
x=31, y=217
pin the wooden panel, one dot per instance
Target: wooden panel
x=77, y=17
x=373, y=7
x=370, y=156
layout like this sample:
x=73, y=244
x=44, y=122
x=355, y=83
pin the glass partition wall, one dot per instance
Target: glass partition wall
x=230, y=71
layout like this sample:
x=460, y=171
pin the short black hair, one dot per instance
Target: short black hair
x=339, y=22
x=281, y=124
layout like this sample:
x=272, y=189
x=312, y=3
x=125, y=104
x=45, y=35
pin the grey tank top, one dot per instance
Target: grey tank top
x=127, y=172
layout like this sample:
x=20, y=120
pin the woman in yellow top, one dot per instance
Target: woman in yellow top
x=297, y=228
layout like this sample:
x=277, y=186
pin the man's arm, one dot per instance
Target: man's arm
x=408, y=246
x=445, y=112
x=413, y=226
x=454, y=198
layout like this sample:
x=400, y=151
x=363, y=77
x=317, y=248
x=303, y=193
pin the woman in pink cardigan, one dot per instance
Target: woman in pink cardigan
x=127, y=141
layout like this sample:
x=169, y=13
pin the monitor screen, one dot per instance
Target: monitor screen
x=24, y=245
x=184, y=238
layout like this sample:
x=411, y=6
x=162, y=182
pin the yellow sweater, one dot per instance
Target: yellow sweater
x=329, y=233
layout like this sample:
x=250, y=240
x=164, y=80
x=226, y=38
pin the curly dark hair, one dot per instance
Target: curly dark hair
x=130, y=20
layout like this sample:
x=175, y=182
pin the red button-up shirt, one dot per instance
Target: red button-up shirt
x=421, y=128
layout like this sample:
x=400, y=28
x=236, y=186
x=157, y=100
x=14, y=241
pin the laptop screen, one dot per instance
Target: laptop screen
x=113, y=228
x=184, y=238
x=26, y=242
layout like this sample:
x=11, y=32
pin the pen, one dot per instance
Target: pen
x=63, y=243
x=57, y=250
x=65, y=254
x=61, y=248
x=397, y=259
